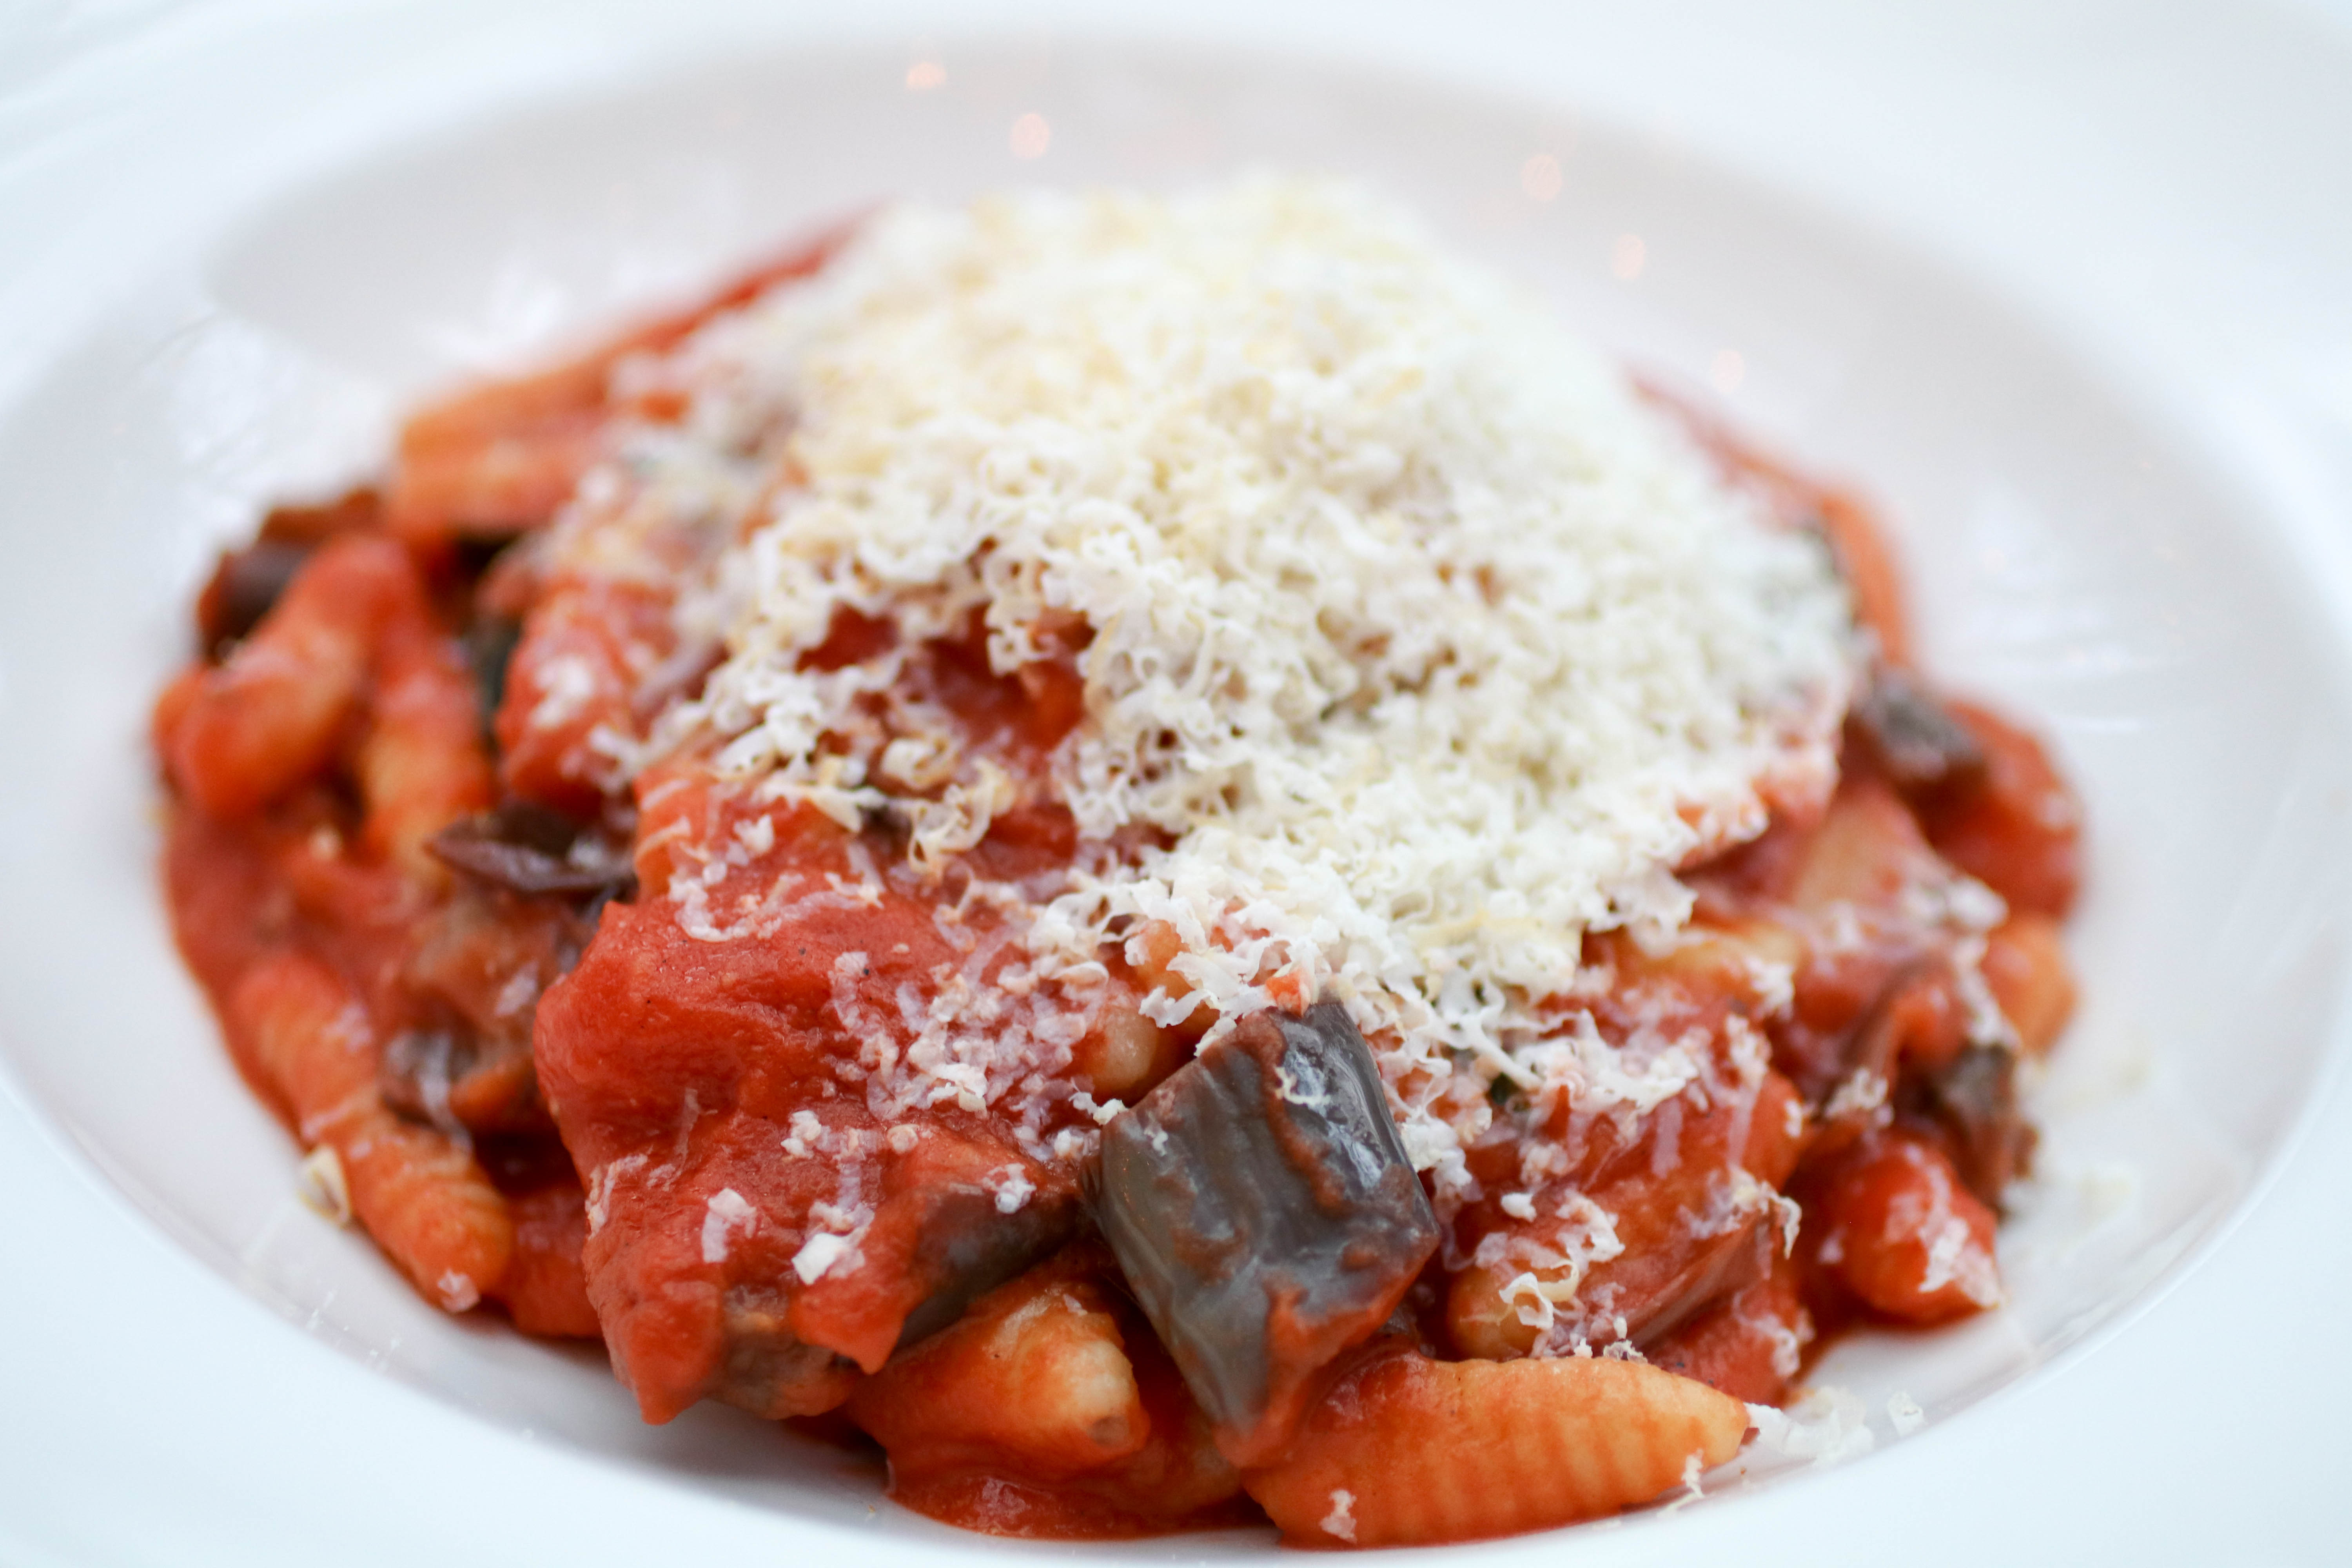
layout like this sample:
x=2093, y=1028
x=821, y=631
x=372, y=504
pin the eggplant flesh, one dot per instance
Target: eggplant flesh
x=1263, y=1210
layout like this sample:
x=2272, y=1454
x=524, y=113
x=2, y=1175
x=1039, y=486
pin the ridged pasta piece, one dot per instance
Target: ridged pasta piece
x=1033, y=1382
x=1749, y=1346
x=505, y=456
x=1408, y=1451
x=545, y=1289
x=1867, y=853
x=1877, y=990
x=421, y=764
x=272, y=715
x=2017, y=827
x=422, y=1196
x=512, y=471
x=1677, y=1238
x=1050, y=1410
x=1868, y=566
x=429, y=1206
x=585, y=647
x=2025, y=966
x=1900, y=1231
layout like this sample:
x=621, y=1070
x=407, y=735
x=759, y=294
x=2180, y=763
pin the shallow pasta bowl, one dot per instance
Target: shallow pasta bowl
x=236, y=316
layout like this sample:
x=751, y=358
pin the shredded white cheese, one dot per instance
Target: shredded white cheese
x=1693, y=1467
x=1955, y=1258
x=819, y=1253
x=1420, y=645
x=726, y=1214
x=458, y=1292
x=1340, y=1522
x=1010, y=1187
x=1862, y=1093
x=1829, y=1426
x=320, y=1183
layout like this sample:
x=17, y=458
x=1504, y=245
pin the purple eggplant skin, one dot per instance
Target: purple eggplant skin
x=968, y=1247
x=529, y=849
x=489, y=643
x=244, y=588
x=1261, y=1206
x=1914, y=738
x=1974, y=1101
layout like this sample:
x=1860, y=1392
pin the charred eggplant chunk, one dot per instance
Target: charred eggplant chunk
x=490, y=642
x=1263, y=1210
x=1975, y=1103
x=966, y=1247
x=529, y=849
x=246, y=584
x=769, y=1372
x=1914, y=737
x=243, y=588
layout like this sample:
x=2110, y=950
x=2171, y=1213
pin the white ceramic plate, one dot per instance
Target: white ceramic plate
x=239, y=242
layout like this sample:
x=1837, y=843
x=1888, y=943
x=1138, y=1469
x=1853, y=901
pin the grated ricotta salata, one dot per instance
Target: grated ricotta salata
x=1421, y=645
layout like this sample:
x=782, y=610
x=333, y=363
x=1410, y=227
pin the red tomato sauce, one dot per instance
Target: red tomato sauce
x=771, y=1098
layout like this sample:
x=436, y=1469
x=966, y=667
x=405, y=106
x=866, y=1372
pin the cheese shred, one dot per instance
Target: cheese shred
x=1414, y=645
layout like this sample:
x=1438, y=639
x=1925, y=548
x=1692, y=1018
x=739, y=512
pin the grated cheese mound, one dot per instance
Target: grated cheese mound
x=1419, y=643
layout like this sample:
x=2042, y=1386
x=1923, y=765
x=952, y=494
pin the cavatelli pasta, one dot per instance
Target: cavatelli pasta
x=1407, y=1451
x=422, y=1196
x=271, y=716
x=1150, y=848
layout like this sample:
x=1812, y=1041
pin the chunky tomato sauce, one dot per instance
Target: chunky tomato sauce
x=769, y=1096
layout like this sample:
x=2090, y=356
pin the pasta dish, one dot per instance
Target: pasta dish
x=1166, y=852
